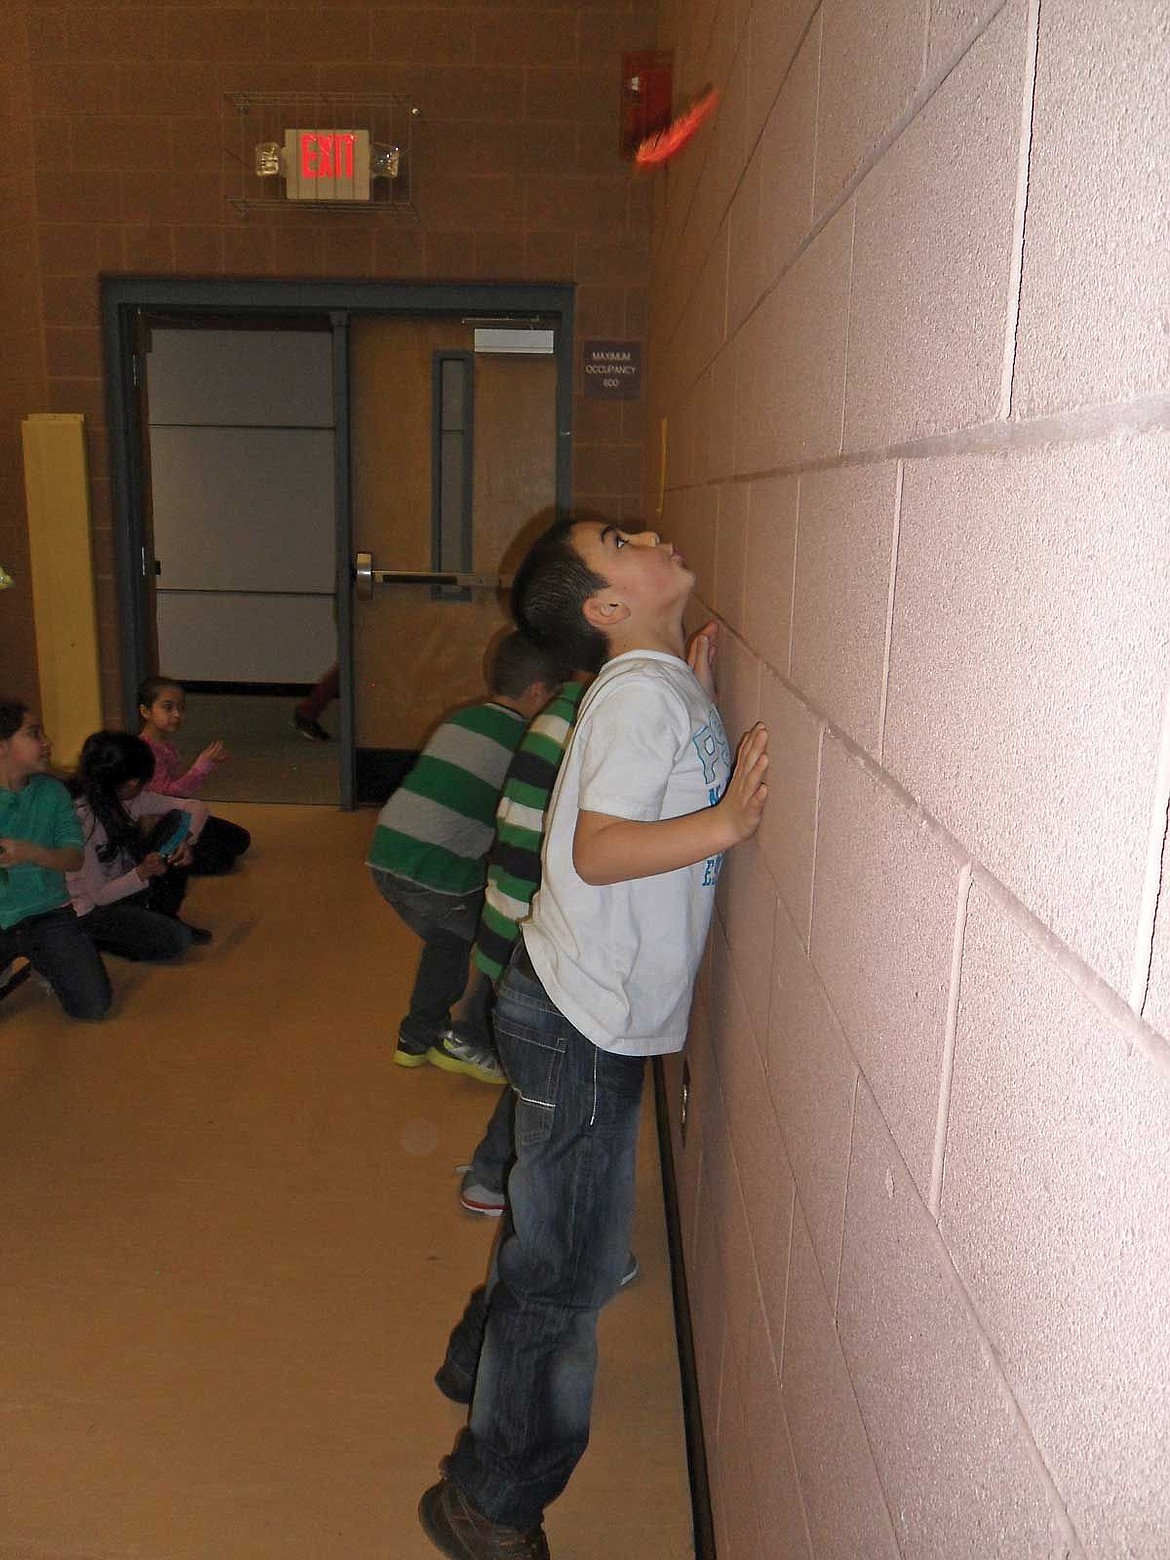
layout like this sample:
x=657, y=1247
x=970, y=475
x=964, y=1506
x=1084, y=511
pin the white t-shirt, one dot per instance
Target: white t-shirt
x=619, y=960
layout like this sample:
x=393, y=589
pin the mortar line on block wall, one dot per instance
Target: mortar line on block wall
x=794, y=1462
x=787, y=1278
x=1147, y=414
x=848, y=311
x=1019, y=219
x=1133, y=1030
x=787, y=672
x=893, y=1529
x=835, y=1298
x=1143, y=953
x=894, y=543
x=928, y=23
x=949, y=1038
x=812, y=887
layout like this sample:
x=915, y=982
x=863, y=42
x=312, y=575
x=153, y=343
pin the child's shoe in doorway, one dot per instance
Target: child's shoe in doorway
x=313, y=729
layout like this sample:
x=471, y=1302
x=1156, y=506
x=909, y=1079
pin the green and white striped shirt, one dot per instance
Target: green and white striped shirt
x=437, y=827
x=513, y=865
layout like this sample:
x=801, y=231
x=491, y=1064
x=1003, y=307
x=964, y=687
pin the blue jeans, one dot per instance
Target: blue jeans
x=493, y=1152
x=446, y=923
x=57, y=947
x=558, y=1260
x=133, y=928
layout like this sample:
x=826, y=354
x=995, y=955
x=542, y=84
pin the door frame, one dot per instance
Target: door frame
x=125, y=298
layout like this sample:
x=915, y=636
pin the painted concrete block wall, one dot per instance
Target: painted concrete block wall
x=516, y=175
x=910, y=341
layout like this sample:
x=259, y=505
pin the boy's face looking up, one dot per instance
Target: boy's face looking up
x=648, y=582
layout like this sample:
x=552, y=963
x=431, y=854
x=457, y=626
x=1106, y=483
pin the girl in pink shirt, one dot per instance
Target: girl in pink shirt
x=162, y=705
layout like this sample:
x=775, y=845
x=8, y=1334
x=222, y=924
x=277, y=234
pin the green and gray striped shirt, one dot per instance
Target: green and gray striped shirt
x=437, y=827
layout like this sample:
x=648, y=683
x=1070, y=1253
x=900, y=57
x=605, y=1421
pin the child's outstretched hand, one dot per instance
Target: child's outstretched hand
x=701, y=655
x=747, y=790
x=214, y=753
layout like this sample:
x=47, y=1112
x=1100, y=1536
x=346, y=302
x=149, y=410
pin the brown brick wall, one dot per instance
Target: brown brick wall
x=515, y=177
x=22, y=381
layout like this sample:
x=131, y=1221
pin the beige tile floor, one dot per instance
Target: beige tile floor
x=232, y=1252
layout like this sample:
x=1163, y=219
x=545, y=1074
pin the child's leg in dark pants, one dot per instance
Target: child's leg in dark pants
x=57, y=946
x=446, y=923
x=218, y=848
x=494, y=1151
x=571, y=1199
x=133, y=930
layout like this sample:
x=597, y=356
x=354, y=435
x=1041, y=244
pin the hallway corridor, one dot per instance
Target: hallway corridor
x=233, y=1250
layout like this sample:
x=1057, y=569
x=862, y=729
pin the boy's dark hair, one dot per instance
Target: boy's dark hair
x=107, y=760
x=150, y=688
x=12, y=713
x=515, y=663
x=549, y=593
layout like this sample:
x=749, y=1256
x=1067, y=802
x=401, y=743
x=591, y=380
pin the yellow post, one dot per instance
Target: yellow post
x=61, y=567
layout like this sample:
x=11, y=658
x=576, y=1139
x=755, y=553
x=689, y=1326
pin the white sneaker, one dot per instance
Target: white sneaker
x=477, y=1198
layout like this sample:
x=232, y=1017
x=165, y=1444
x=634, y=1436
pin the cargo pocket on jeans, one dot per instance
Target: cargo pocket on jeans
x=534, y=1068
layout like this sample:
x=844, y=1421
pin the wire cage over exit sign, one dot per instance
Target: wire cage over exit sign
x=324, y=151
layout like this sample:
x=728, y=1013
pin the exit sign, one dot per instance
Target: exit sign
x=327, y=165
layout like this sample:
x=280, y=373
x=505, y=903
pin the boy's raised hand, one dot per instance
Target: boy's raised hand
x=701, y=655
x=214, y=753
x=747, y=790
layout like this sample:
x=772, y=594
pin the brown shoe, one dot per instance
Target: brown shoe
x=462, y=1531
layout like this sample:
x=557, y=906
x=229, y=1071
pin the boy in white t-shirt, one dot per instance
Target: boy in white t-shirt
x=646, y=802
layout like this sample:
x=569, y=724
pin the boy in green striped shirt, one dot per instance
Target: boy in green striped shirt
x=430, y=845
x=513, y=876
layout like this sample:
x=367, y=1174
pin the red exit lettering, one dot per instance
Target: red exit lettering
x=325, y=155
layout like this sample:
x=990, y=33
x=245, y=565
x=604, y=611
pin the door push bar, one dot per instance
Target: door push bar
x=366, y=577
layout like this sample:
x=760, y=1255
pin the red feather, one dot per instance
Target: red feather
x=660, y=148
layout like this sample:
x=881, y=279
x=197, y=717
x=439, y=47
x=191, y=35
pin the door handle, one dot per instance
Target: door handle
x=366, y=577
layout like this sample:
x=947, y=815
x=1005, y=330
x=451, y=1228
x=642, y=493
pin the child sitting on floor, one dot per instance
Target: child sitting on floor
x=162, y=705
x=127, y=891
x=40, y=840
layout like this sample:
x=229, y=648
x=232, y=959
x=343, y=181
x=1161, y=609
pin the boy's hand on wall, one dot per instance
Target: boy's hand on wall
x=701, y=655
x=747, y=790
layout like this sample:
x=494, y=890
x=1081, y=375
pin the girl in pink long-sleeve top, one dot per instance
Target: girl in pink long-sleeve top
x=162, y=705
x=129, y=887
